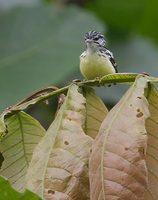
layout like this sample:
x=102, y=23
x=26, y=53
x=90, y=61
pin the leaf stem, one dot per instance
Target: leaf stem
x=44, y=94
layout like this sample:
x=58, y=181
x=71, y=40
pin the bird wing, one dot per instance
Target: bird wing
x=110, y=56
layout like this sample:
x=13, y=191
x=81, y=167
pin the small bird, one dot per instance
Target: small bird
x=97, y=61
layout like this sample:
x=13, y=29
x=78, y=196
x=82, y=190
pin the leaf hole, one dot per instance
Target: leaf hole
x=66, y=143
x=138, y=110
x=140, y=114
x=51, y=192
x=142, y=151
x=6, y=131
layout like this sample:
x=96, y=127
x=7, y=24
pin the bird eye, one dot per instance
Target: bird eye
x=96, y=38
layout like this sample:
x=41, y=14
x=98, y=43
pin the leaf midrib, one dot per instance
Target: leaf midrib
x=22, y=135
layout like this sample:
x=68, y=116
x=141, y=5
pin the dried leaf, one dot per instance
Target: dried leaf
x=96, y=112
x=152, y=148
x=117, y=163
x=59, y=168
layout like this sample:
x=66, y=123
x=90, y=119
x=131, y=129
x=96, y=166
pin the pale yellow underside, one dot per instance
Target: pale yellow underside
x=93, y=66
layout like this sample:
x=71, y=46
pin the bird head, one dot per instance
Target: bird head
x=94, y=39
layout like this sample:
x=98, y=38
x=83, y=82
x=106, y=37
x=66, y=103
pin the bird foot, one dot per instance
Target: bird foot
x=145, y=73
x=76, y=81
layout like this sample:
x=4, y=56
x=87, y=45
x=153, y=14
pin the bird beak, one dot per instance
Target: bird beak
x=89, y=41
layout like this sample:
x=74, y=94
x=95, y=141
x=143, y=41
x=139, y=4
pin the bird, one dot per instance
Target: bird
x=97, y=61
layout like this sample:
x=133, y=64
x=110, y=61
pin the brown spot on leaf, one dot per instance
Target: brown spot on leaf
x=138, y=110
x=142, y=152
x=139, y=97
x=140, y=114
x=90, y=150
x=70, y=119
x=51, y=192
x=131, y=105
x=126, y=148
x=66, y=143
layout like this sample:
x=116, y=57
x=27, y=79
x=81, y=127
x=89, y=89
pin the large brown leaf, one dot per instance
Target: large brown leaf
x=117, y=163
x=152, y=148
x=59, y=167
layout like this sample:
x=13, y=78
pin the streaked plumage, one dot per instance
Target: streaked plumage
x=97, y=60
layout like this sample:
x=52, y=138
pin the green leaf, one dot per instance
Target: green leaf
x=40, y=45
x=8, y=193
x=119, y=78
x=152, y=146
x=24, y=133
x=96, y=112
x=61, y=157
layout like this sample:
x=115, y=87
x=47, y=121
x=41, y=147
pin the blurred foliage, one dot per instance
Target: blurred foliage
x=66, y=2
x=8, y=193
x=39, y=45
x=127, y=13
x=124, y=17
x=9, y=4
